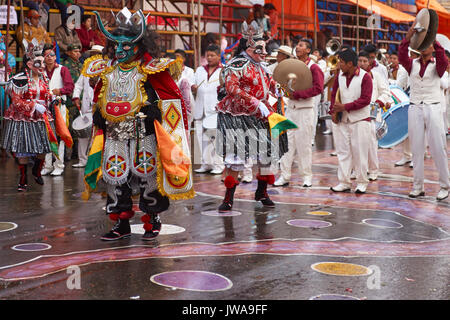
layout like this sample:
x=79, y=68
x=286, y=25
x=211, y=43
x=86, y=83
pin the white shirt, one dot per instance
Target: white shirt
x=82, y=86
x=402, y=78
x=206, y=100
x=188, y=73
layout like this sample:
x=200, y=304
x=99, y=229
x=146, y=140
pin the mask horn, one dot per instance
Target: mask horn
x=102, y=28
x=141, y=34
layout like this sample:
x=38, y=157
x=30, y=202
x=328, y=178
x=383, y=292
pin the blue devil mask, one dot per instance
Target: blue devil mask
x=127, y=48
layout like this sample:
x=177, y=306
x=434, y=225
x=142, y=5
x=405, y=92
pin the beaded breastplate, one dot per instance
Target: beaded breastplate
x=122, y=94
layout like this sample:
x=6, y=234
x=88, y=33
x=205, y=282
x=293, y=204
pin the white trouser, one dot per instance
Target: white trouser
x=248, y=168
x=329, y=125
x=444, y=116
x=373, y=149
x=299, y=140
x=406, y=149
x=426, y=121
x=351, y=142
x=83, y=144
x=59, y=163
x=205, y=147
x=198, y=141
x=316, y=115
x=209, y=155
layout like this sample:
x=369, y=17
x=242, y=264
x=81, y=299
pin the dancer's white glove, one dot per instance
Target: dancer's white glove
x=263, y=108
x=39, y=108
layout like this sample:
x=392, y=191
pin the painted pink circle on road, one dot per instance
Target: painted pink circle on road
x=308, y=223
x=192, y=280
x=215, y=213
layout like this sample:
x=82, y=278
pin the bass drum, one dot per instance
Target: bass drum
x=396, y=119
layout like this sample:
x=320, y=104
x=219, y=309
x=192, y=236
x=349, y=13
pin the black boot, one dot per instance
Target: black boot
x=36, y=171
x=262, y=195
x=227, y=203
x=152, y=226
x=23, y=180
x=120, y=230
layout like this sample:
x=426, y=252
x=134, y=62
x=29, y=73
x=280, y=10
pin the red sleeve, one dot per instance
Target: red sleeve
x=68, y=84
x=441, y=59
x=366, y=95
x=403, y=56
x=317, y=86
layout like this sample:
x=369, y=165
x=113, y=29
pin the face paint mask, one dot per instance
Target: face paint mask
x=125, y=51
x=37, y=64
x=126, y=46
x=260, y=50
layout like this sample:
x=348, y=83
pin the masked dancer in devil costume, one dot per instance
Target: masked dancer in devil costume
x=140, y=114
x=243, y=128
x=25, y=133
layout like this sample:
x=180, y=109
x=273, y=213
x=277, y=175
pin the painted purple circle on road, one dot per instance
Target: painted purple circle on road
x=215, y=213
x=333, y=297
x=192, y=280
x=31, y=247
x=382, y=223
x=308, y=223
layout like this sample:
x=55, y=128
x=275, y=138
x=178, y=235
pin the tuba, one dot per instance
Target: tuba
x=333, y=46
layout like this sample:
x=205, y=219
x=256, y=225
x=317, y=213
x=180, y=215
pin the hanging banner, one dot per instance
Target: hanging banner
x=4, y=15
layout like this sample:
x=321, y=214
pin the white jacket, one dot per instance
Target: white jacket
x=206, y=99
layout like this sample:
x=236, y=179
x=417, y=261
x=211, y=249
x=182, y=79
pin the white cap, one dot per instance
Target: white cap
x=96, y=47
x=286, y=50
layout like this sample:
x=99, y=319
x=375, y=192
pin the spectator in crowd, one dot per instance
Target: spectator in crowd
x=205, y=114
x=62, y=5
x=259, y=16
x=32, y=29
x=272, y=14
x=210, y=38
x=87, y=36
x=72, y=62
x=40, y=6
x=65, y=35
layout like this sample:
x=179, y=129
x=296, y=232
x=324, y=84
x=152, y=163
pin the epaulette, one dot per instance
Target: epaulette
x=18, y=83
x=161, y=64
x=95, y=65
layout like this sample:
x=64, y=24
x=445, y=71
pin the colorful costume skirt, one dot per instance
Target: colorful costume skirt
x=240, y=138
x=25, y=138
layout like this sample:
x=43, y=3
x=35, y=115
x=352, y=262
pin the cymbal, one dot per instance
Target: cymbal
x=427, y=22
x=295, y=70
